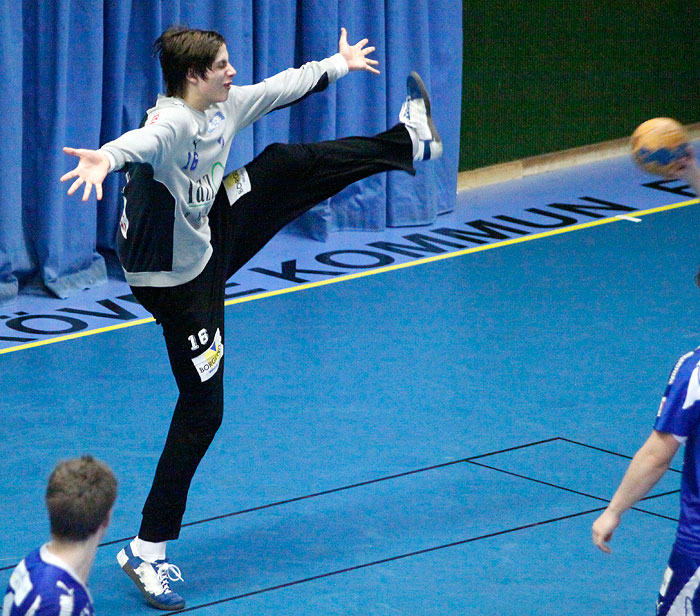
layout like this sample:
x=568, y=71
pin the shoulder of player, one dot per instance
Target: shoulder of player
x=46, y=575
x=55, y=583
x=47, y=582
x=684, y=367
x=172, y=112
x=55, y=568
x=52, y=604
x=254, y=91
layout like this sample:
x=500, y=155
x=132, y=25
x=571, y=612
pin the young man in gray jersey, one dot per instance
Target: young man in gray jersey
x=186, y=229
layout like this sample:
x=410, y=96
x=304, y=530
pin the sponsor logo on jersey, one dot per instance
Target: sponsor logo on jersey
x=154, y=118
x=202, y=191
x=215, y=122
x=207, y=364
x=237, y=184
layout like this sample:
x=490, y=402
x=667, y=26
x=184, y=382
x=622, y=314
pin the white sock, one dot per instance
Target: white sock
x=147, y=550
x=415, y=140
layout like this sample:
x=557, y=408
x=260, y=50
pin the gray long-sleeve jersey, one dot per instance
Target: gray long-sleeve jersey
x=175, y=167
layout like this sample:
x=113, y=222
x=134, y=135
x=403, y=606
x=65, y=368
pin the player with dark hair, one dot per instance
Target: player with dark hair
x=186, y=229
x=182, y=51
x=52, y=580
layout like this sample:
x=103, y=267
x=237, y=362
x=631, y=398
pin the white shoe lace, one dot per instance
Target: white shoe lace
x=168, y=573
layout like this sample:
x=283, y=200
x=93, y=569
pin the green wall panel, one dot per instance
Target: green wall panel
x=543, y=76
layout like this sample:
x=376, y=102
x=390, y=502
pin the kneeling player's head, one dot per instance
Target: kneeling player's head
x=79, y=498
x=184, y=51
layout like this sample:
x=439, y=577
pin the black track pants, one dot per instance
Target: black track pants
x=285, y=181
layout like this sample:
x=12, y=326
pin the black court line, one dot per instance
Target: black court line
x=613, y=453
x=553, y=485
x=341, y=489
x=388, y=560
x=325, y=492
x=469, y=460
x=454, y=543
x=605, y=500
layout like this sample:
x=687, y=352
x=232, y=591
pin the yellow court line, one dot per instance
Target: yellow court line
x=373, y=272
x=101, y=330
x=458, y=253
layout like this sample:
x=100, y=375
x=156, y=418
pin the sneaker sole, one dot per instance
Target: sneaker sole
x=426, y=98
x=129, y=570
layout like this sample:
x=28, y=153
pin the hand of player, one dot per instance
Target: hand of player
x=356, y=55
x=679, y=169
x=686, y=169
x=603, y=529
x=92, y=169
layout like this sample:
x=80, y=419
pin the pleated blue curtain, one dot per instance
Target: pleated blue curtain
x=62, y=104
x=15, y=255
x=358, y=106
x=81, y=72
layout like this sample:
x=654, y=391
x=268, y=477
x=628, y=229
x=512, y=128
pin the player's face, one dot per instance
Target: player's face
x=215, y=85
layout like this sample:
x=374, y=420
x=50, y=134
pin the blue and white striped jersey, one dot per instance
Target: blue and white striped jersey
x=679, y=414
x=43, y=585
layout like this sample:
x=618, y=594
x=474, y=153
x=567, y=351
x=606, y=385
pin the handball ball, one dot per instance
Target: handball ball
x=660, y=146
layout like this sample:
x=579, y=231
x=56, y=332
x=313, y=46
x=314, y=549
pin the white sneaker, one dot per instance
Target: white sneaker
x=415, y=114
x=152, y=579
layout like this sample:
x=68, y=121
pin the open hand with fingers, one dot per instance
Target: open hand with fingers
x=356, y=55
x=92, y=169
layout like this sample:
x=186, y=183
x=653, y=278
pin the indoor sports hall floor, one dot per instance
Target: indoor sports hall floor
x=432, y=433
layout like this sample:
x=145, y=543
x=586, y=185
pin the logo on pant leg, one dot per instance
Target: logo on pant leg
x=237, y=184
x=207, y=364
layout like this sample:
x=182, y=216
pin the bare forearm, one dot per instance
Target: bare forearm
x=648, y=465
x=643, y=473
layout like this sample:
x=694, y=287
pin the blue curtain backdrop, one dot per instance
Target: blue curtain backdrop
x=81, y=72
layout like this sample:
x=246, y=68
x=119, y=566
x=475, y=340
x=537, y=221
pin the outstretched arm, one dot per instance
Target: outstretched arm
x=647, y=467
x=356, y=55
x=247, y=104
x=92, y=169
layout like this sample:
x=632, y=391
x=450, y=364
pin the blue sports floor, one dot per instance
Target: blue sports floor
x=432, y=433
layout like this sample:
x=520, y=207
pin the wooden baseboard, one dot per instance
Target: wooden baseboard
x=518, y=169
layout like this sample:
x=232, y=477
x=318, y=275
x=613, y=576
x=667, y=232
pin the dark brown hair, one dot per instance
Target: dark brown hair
x=79, y=497
x=182, y=50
